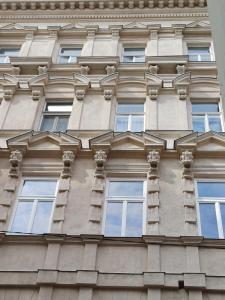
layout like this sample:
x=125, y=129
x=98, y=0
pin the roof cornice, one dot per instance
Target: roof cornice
x=100, y=5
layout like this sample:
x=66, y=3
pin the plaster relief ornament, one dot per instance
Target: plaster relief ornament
x=153, y=159
x=42, y=70
x=8, y=94
x=84, y=70
x=186, y=159
x=154, y=69
x=15, y=160
x=80, y=94
x=110, y=70
x=36, y=95
x=182, y=93
x=181, y=69
x=108, y=94
x=100, y=158
x=68, y=158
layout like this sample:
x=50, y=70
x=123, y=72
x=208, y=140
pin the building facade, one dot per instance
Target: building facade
x=112, y=152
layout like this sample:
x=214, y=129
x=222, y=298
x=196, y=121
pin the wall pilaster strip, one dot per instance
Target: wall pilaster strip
x=154, y=294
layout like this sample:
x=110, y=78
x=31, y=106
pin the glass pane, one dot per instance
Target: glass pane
x=139, y=58
x=62, y=123
x=22, y=217
x=198, y=123
x=9, y=52
x=128, y=59
x=211, y=189
x=42, y=217
x=130, y=108
x=47, y=123
x=38, y=188
x=71, y=51
x=121, y=123
x=134, y=51
x=113, y=219
x=222, y=209
x=215, y=123
x=63, y=59
x=59, y=107
x=198, y=50
x=134, y=219
x=205, y=107
x=208, y=221
x=137, y=123
x=126, y=188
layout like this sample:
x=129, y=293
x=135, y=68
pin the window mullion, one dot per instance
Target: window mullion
x=32, y=216
x=124, y=216
x=219, y=220
x=206, y=123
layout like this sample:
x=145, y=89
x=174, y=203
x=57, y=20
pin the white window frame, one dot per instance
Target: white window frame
x=124, y=200
x=56, y=114
x=210, y=200
x=69, y=47
x=207, y=114
x=130, y=115
x=133, y=47
x=200, y=45
x=35, y=201
x=7, y=58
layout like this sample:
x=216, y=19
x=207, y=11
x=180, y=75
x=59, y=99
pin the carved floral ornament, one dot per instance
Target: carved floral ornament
x=15, y=161
x=99, y=4
x=67, y=158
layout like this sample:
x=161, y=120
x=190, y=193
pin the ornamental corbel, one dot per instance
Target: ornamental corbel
x=181, y=69
x=15, y=161
x=110, y=70
x=153, y=93
x=67, y=158
x=37, y=93
x=182, y=93
x=42, y=70
x=8, y=93
x=100, y=158
x=153, y=69
x=108, y=94
x=80, y=94
x=153, y=159
x=84, y=70
x=187, y=160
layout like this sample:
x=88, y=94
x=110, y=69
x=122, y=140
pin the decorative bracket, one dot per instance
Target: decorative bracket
x=108, y=94
x=110, y=70
x=68, y=158
x=80, y=94
x=182, y=92
x=84, y=70
x=100, y=158
x=15, y=161
x=187, y=159
x=153, y=159
x=153, y=69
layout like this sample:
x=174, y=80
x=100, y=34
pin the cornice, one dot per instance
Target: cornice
x=99, y=4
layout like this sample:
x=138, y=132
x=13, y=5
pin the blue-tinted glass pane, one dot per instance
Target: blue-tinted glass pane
x=205, y=107
x=22, y=217
x=71, y=51
x=211, y=189
x=222, y=209
x=198, y=123
x=42, y=217
x=134, y=51
x=126, y=188
x=134, y=219
x=130, y=108
x=121, y=123
x=215, y=123
x=47, y=123
x=208, y=221
x=62, y=123
x=38, y=188
x=198, y=50
x=137, y=123
x=113, y=223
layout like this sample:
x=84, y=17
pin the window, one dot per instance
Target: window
x=5, y=54
x=211, y=206
x=134, y=55
x=206, y=117
x=199, y=54
x=34, y=207
x=130, y=117
x=125, y=208
x=69, y=55
x=56, y=116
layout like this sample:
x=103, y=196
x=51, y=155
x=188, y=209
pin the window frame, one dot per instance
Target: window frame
x=125, y=199
x=55, y=114
x=207, y=114
x=121, y=101
x=34, y=200
x=6, y=58
x=69, y=47
x=138, y=46
x=209, y=200
x=201, y=45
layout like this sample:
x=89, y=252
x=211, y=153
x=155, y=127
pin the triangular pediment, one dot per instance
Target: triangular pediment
x=127, y=141
x=44, y=141
x=209, y=142
x=153, y=80
x=109, y=80
x=72, y=26
x=135, y=25
x=12, y=26
x=199, y=24
x=182, y=80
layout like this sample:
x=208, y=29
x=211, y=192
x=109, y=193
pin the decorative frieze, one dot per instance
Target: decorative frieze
x=153, y=158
